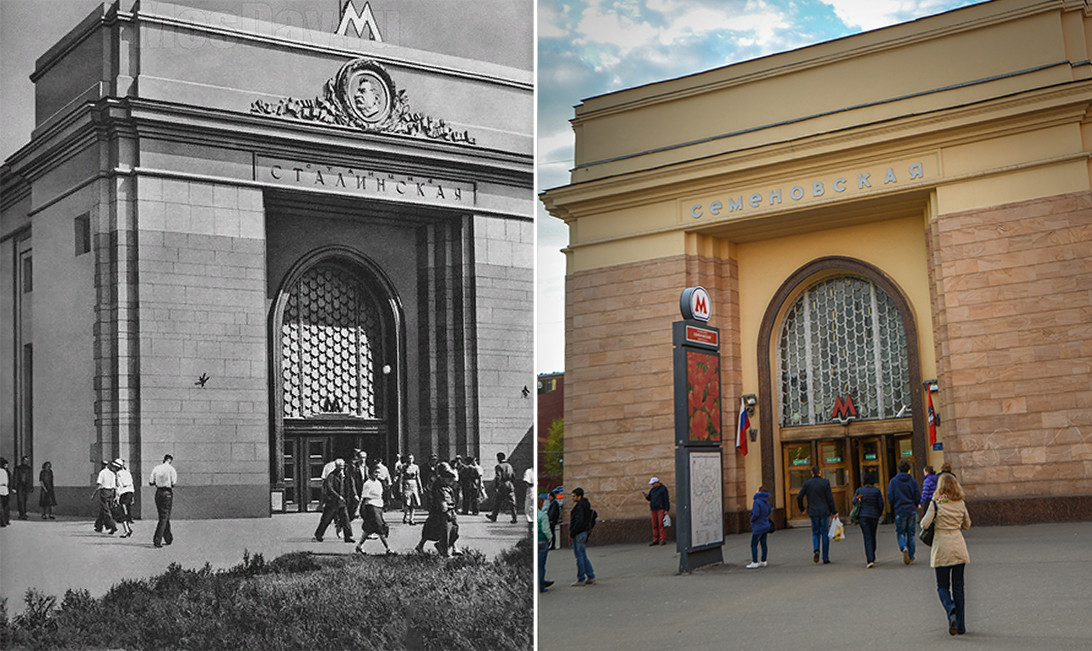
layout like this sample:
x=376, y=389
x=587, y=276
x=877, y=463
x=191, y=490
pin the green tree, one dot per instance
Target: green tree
x=555, y=451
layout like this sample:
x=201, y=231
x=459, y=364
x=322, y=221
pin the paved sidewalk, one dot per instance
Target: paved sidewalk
x=53, y=556
x=1027, y=587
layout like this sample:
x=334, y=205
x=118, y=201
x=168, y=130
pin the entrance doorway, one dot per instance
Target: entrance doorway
x=833, y=466
x=845, y=462
x=306, y=454
x=336, y=386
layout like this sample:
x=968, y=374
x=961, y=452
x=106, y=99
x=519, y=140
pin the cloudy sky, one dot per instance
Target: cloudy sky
x=590, y=47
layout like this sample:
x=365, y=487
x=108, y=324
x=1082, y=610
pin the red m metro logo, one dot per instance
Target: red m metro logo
x=844, y=412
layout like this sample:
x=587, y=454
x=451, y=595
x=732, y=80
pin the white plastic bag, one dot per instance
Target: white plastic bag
x=667, y=520
x=837, y=531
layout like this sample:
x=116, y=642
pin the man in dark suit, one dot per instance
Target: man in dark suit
x=334, y=506
x=820, y=506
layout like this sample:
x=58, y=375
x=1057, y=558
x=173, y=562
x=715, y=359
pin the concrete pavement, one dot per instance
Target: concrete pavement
x=55, y=555
x=1027, y=586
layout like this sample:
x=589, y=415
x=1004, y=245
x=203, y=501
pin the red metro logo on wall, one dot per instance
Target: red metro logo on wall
x=703, y=396
x=695, y=304
x=844, y=412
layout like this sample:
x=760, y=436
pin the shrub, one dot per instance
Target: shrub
x=298, y=601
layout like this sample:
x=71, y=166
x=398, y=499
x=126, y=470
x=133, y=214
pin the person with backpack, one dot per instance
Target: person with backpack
x=581, y=522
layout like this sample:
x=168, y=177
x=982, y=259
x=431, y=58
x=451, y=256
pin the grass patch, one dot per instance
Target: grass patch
x=296, y=601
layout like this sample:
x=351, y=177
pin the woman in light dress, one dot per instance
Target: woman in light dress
x=411, y=489
x=949, y=555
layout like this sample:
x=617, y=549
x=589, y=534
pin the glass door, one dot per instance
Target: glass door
x=832, y=467
x=798, y=462
x=316, y=460
x=870, y=461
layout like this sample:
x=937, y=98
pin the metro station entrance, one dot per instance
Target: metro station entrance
x=845, y=462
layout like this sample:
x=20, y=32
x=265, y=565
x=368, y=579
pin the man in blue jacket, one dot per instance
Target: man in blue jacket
x=903, y=494
x=820, y=506
x=660, y=503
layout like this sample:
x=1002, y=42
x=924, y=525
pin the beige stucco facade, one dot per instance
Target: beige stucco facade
x=946, y=160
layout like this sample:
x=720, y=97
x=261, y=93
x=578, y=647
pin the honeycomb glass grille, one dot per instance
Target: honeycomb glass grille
x=843, y=337
x=329, y=343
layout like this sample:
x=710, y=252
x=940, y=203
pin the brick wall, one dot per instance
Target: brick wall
x=1013, y=314
x=619, y=418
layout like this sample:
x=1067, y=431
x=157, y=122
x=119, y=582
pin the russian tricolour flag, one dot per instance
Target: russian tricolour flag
x=743, y=424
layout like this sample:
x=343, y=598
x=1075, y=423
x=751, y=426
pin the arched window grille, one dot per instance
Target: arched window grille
x=843, y=336
x=329, y=341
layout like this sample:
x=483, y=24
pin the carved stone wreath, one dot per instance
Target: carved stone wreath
x=364, y=96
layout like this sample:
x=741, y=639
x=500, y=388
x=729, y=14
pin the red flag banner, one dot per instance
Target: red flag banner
x=932, y=420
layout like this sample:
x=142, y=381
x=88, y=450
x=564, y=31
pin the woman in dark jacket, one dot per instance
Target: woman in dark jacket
x=760, y=526
x=871, y=500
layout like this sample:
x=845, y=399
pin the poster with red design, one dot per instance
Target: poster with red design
x=703, y=396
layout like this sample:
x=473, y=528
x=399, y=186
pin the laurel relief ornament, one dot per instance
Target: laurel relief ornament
x=364, y=96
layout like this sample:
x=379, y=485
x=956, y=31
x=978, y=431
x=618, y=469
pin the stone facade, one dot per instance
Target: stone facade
x=1013, y=307
x=619, y=411
x=259, y=286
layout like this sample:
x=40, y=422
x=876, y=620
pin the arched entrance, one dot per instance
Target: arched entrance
x=838, y=331
x=337, y=368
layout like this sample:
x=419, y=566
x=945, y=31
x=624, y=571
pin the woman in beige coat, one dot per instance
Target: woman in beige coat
x=949, y=555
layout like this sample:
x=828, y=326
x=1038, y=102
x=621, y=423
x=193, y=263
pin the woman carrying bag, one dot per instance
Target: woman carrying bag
x=870, y=499
x=949, y=555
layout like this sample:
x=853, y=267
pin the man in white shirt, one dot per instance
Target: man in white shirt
x=164, y=477
x=108, y=493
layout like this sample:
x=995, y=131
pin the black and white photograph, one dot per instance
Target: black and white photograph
x=267, y=323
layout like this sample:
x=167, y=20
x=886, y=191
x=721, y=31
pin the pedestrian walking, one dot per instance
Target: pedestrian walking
x=24, y=485
x=545, y=544
x=529, y=494
x=949, y=557
x=411, y=490
x=471, y=478
x=928, y=485
x=820, y=507
x=126, y=492
x=164, y=477
x=334, y=490
x=871, y=500
x=442, y=523
x=384, y=477
x=371, y=512
x=47, y=497
x=106, y=492
x=504, y=488
x=904, y=495
x=659, y=503
x=355, y=475
x=760, y=526
x=5, y=493
x=581, y=521
x=553, y=513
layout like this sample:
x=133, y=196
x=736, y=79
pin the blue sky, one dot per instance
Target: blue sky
x=590, y=47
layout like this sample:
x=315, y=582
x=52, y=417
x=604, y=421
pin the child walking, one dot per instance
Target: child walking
x=760, y=526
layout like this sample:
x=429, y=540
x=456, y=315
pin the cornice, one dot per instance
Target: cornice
x=109, y=117
x=793, y=65
x=943, y=127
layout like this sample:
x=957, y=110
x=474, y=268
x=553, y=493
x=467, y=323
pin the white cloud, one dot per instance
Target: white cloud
x=608, y=27
x=873, y=14
x=550, y=22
